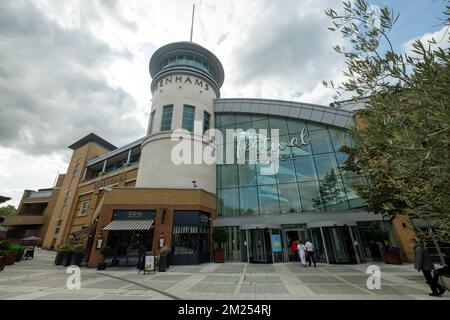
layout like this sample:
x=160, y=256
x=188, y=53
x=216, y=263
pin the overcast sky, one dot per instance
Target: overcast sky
x=73, y=67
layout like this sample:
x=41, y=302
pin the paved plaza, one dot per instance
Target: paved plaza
x=40, y=279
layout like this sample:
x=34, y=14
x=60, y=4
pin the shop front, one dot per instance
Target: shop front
x=130, y=231
x=190, y=238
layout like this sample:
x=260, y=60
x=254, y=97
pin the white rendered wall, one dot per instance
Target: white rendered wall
x=156, y=168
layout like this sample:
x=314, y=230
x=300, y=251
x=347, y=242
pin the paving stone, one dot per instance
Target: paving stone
x=207, y=287
x=263, y=288
x=65, y=296
x=221, y=279
x=172, y=277
x=107, y=284
x=121, y=297
x=318, y=279
x=262, y=278
x=400, y=290
x=361, y=279
x=335, y=289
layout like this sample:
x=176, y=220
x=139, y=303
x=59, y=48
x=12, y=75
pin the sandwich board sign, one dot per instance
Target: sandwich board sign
x=149, y=264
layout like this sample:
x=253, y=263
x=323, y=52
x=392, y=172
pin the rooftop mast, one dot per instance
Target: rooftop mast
x=192, y=24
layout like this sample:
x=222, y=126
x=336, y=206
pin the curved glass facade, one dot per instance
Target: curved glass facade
x=188, y=60
x=310, y=178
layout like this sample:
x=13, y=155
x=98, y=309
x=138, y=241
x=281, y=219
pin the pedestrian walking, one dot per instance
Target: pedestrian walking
x=294, y=245
x=310, y=254
x=302, y=253
x=444, y=271
x=422, y=262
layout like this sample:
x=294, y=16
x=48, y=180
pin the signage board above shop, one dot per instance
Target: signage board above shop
x=133, y=214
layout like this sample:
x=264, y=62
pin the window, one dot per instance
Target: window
x=268, y=199
x=249, y=201
x=76, y=169
x=189, y=239
x=206, y=121
x=304, y=167
x=166, y=123
x=229, y=176
x=84, y=208
x=289, y=198
x=67, y=198
x=58, y=226
x=321, y=142
x=229, y=202
x=188, y=118
x=152, y=120
x=247, y=175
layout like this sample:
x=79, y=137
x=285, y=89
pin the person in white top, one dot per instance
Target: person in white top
x=302, y=253
x=310, y=253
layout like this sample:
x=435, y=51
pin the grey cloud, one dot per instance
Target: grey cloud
x=51, y=89
x=288, y=46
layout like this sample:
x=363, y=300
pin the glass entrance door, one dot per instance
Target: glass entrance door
x=291, y=238
x=258, y=246
x=340, y=245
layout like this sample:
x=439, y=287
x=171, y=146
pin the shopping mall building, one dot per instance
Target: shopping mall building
x=138, y=195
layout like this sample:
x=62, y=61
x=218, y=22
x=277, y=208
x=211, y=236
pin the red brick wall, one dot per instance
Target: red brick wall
x=166, y=228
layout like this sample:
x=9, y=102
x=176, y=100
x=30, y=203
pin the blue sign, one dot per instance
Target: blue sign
x=276, y=243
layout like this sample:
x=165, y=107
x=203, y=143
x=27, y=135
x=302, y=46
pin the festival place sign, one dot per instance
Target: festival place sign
x=295, y=142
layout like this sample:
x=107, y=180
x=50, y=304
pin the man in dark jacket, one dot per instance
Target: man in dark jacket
x=422, y=262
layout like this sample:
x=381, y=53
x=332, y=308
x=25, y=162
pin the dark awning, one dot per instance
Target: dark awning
x=124, y=225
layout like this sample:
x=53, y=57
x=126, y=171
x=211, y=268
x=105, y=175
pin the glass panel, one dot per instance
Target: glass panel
x=315, y=126
x=257, y=117
x=206, y=120
x=230, y=199
x=241, y=118
x=285, y=150
x=353, y=198
x=249, y=201
x=224, y=132
x=305, y=169
x=244, y=125
x=321, y=142
x=232, y=246
x=341, y=158
x=289, y=198
x=247, y=175
x=188, y=118
x=218, y=118
x=341, y=138
x=295, y=126
x=278, y=123
x=317, y=241
x=268, y=199
x=229, y=178
x=166, y=122
x=264, y=179
x=333, y=194
x=303, y=150
x=310, y=196
x=286, y=172
x=261, y=124
x=326, y=165
x=227, y=119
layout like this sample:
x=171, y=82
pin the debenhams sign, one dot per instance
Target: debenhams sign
x=181, y=79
